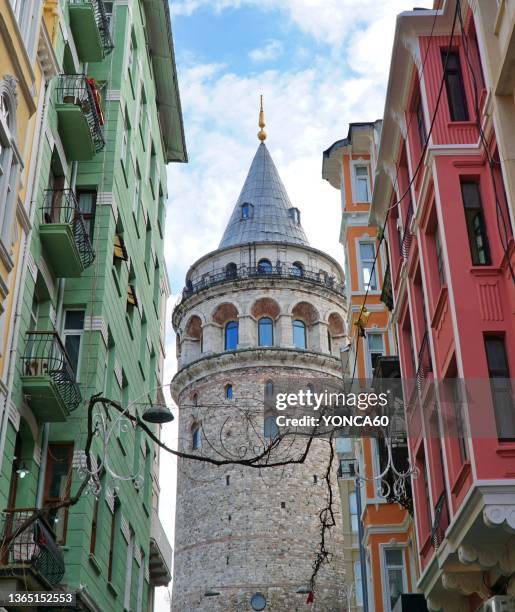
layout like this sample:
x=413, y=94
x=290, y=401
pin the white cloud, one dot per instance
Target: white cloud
x=270, y=51
x=328, y=21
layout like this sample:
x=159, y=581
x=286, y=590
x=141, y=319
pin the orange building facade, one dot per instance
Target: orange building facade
x=386, y=537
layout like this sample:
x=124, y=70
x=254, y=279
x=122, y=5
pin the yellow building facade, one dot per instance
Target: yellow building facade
x=27, y=64
x=382, y=556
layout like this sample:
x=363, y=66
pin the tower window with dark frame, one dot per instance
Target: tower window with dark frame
x=454, y=86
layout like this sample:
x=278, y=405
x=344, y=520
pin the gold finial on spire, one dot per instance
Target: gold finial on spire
x=261, y=134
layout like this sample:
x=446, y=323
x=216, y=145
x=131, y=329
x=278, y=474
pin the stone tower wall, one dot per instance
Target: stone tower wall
x=241, y=530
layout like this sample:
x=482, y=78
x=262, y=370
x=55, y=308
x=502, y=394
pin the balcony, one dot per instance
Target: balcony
x=90, y=27
x=80, y=116
x=387, y=292
x=161, y=553
x=407, y=236
x=441, y=521
x=63, y=234
x=280, y=270
x=33, y=557
x=48, y=378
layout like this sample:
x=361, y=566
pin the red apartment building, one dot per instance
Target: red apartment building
x=444, y=195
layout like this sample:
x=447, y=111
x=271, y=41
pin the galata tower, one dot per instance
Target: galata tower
x=264, y=308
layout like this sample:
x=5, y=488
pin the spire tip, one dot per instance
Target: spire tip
x=261, y=134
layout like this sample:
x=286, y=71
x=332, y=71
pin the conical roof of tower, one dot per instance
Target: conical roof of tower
x=271, y=216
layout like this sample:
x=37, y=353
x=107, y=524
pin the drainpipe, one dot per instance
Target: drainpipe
x=22, y=267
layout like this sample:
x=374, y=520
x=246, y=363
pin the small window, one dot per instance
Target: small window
x=229, y=392
x=265, y=332
x=299, y=334
x=362, y=183
x=231, y=270
x=264, y=266
x=500, y=384
x=395, y=574
x=375, y=347
x=439, y=258
x=476, y=228
x=297, y=269
x=231, y=336
x=421, y=125
x=196, y=439
x=454, y=86
x=353, y=511
x=195, y=400
x=87, y=204
x=120, y=252
x=246, y=210
x=270, y=428
x=295, y=215
x=269, y=388
x=367, y=261
x=73, y=331
x=329, y=342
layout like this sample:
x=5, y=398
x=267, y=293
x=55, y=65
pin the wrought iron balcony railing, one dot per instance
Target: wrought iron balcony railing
x=45, y=355
x=34, y=547
x=280, y=270
x=425, y=365
x=102, y=22
x=75, y=89
x=441, y=521
x=407, y=236
x=387, y=292
x=61, y=206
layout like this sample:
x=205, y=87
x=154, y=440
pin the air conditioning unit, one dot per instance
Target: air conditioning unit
x=499, y=603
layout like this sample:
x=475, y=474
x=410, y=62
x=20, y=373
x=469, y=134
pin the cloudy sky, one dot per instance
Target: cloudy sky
x=320, y=65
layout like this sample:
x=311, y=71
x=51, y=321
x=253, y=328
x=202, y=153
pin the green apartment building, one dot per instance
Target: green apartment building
x=91, y=309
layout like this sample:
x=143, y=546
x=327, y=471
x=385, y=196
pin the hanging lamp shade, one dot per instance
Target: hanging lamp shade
x=159, y=413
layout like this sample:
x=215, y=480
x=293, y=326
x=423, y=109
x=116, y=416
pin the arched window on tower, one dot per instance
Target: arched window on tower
x=231, y=270
x=299, y=334
x=231, y=336
x=269, y=389
x=196, y=438
x=246, y=210
x=270, y=428
x=265, y=266
x=297, y=269
x=265, y=332
x=229, y=392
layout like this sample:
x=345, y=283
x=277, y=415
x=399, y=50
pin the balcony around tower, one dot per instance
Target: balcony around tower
x=32, y=560
x=63, y=234
x=90, y=26
x=161, y=553
x=281, y=270
x=48, y=377
x=80, y=116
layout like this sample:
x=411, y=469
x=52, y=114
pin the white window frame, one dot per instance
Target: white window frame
x=373, y=331
x=354, y=494
x=74, y=332
x=360, y=163
x=10, y=163
x=384, y=572
x=361, y=280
